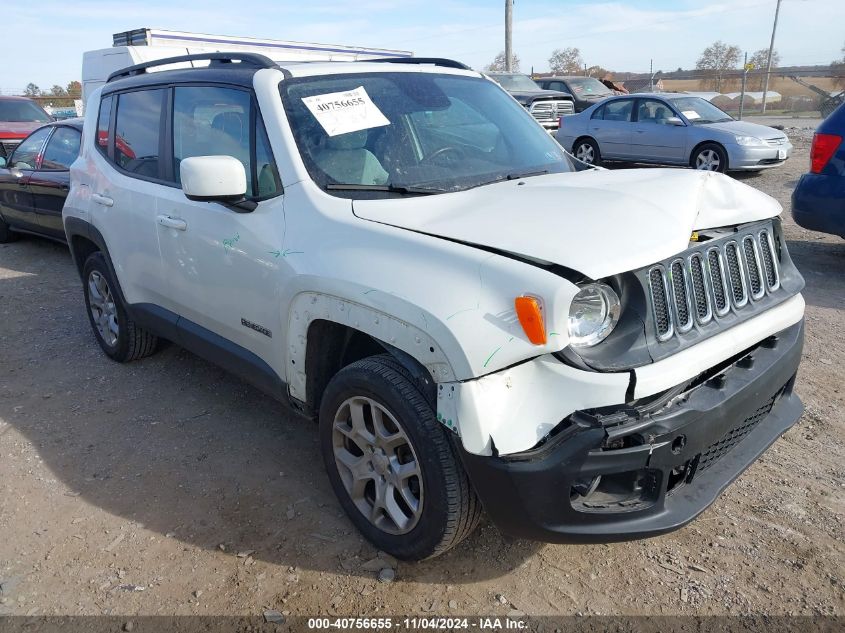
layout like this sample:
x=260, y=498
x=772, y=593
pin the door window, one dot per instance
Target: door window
x=213, y=121
x=137, y=128
x=653, y=111
x=26, y=154
x=619, y=110
x=103, y=120
x=62, y=149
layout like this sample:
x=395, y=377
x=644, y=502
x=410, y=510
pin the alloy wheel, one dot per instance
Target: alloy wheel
x=585, y=153
x=103, y=309
x=378, y=465
x=708, y=160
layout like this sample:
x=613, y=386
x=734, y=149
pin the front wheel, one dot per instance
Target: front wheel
x=587, y=151
x=710, y=157
x=393, y=466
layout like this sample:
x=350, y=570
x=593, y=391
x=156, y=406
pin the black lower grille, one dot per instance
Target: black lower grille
x=719, y=449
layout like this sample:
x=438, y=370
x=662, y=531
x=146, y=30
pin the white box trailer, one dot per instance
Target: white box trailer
x=144, y=45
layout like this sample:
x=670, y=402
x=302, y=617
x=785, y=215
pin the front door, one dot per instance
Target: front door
x=16, y=204
x=225, y=269
x=653, y=138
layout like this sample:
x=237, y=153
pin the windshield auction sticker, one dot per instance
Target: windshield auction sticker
x=344, y=112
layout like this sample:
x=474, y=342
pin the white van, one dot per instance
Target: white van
x=145, y=45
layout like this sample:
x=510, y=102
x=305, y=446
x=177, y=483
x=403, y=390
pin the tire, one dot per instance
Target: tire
x=709, y=157
x=439, y=508
x=587, y=151
x=6, y=234
x=119, y=336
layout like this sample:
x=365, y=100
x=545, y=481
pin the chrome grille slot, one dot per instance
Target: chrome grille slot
x=718, y=282
x=681, y=295
x=770, y=265
x=551, y=110
x=736, y=275
x=698, y=284
x=659, y=292
x=752, y=265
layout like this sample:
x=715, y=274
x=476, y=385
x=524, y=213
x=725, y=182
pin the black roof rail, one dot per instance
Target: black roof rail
x=437, y=61
x=247, y=59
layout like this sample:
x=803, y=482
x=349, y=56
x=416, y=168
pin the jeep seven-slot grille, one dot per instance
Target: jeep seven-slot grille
x=711, y=281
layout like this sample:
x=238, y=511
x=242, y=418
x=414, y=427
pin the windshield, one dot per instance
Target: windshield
x=698, y=110
x=516, y=82
x=409, y=133
x=22, y=112
x=588, y=86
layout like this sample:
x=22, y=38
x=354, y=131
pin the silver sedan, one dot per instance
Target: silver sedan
x=671, y=129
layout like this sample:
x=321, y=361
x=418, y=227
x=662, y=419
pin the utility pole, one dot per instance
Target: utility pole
x=651, y=75
x=769, y=64
x=509, y=35
x=744, y=77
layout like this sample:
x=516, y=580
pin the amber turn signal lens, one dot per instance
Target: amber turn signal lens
x=531, y=319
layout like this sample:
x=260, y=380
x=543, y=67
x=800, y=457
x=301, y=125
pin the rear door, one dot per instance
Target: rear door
x=50, y=183
x=611, y=126
x=16, y=204
x=653, y=137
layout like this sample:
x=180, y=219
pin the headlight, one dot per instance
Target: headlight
x=593, y=314
x=749, y=140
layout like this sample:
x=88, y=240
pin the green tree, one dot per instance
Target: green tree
x=498, y=63
x=74, y=89
x=32, y=90
x=566, y=61
x=715, y=61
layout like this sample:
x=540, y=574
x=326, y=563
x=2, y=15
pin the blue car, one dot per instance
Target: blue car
x=671, y=129
x=818, y=202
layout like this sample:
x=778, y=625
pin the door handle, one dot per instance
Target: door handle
x=103, y=200
x=172, y=223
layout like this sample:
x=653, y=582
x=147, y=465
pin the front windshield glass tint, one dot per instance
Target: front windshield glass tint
x=438, y=133
x=22, y=112
x=516, y=82
x=589, y=86
x=698, y=110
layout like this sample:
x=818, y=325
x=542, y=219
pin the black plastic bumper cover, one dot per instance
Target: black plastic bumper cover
x=528, y=495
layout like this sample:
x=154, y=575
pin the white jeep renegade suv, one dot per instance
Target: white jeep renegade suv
x=399, y=250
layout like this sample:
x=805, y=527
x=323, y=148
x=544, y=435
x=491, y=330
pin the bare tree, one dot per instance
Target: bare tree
x=598, y=72
x=31, y=90
x=715, y=60
x=498, y=64
x=837, y=71
x=566, y=61
x=760, y=60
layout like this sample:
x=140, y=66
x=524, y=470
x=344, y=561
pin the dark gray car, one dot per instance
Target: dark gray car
x=547, y=106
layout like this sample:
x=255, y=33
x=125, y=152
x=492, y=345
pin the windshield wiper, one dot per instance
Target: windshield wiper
x=420, y=191
x=527, y=174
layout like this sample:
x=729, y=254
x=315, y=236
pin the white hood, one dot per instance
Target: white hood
x=599, y=222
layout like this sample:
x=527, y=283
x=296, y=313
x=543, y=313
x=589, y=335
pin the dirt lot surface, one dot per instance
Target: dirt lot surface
x=167, y=486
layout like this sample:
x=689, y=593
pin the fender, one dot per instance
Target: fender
x=392, y=332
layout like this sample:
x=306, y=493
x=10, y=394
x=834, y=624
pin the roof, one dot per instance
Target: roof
x=307, y=69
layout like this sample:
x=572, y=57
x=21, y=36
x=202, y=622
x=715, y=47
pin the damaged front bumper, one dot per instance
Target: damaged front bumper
x=639, y=471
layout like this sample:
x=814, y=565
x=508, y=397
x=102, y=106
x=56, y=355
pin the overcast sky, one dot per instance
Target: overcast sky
x=44, y=40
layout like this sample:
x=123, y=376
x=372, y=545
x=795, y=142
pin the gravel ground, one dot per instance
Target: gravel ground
x=167, y=486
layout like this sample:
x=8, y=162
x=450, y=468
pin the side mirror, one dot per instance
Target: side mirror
x=2, y=162
x=674, y=120
x=216, y=179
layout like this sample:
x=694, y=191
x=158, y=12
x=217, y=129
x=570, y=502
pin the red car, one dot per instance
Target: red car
x=18, y=117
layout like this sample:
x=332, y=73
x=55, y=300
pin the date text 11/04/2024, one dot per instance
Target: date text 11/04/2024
x=418, y=623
